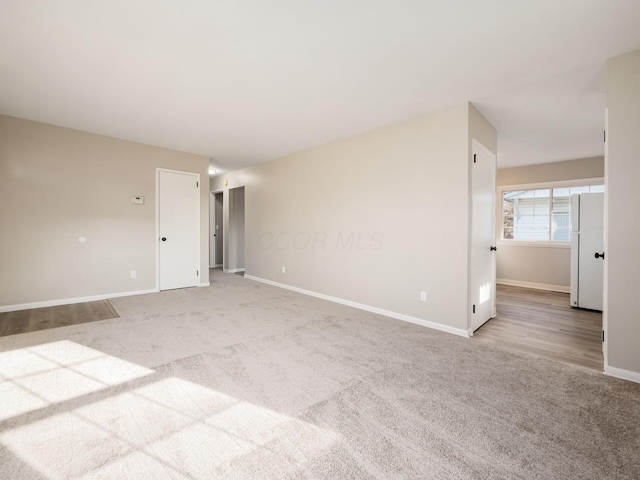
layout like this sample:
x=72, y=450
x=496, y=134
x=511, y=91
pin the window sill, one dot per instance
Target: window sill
x=516, y=243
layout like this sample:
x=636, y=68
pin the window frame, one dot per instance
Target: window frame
x=583, y=182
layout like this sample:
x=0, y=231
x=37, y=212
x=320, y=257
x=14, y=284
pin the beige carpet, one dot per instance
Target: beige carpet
x=243, y=380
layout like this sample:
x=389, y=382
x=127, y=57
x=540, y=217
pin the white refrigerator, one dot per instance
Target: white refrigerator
x=587, y=250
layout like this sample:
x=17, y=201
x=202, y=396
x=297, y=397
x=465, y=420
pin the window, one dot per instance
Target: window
x=540, y=214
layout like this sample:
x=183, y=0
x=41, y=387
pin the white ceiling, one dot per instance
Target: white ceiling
x=245, y=81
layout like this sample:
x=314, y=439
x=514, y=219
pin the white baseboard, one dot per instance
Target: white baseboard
x=537, y=286
x=233, y=270
x=623, y=374
x=204, y=284
x=399, y=316
x=70, y=301
x=215, y=266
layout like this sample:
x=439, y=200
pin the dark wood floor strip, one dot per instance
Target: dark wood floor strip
x=112, y=309
x=24, y=321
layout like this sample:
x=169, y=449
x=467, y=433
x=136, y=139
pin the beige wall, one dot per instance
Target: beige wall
x=547, y=266
x=622, y=262
x=538, y=267
x=57, y=185
x=374, y=219
x=551, y=172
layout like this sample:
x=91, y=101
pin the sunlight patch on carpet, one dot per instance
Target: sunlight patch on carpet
x=59, y=423
x=40, y=376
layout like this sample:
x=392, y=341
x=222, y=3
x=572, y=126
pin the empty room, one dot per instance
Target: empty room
x=319, y=240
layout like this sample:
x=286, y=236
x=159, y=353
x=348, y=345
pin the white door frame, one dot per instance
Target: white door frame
x=227, y=230
x=476, y=144
x=212, y=230
x=605, y=277
x=212, y=225
x=197, y=176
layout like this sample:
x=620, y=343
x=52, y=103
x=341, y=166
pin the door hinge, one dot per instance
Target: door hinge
x=603, y=335
x=605, y=136
x=197, y=184
x=474, y=158
x=197, y=273
x=474, y=309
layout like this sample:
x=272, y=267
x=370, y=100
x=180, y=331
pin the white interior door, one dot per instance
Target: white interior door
x=483, y=232
x=178, y=229
x=591, y=269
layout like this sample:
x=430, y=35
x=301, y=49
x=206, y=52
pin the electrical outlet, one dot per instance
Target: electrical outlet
x=133, y=274
x=423, y=296
x=283, y=269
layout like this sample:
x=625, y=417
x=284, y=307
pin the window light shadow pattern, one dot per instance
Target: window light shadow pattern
x=39, y=376
x=74, y=412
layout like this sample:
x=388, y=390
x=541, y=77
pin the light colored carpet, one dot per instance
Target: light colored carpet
x=244, y=380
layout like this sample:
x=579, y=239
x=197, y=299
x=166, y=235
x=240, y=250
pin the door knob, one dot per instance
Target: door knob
x=164, y=239
x=493, y=249
x=599, y=255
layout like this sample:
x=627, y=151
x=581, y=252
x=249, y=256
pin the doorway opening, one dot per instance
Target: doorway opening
x=543, y=323
x=234, y=261
x=549, y=261
x=216, y=230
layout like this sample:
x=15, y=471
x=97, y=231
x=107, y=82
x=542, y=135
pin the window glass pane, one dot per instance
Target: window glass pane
x=541, y=208
x=561, y=226
x=525, y=213
x=542, y=193
x=561, y=219
x=561, y=235
x=507, y=215
x=561, y=200
x=575, y=190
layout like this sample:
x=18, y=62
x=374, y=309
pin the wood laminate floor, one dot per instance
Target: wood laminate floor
x=544, y=324
x=24, y=321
